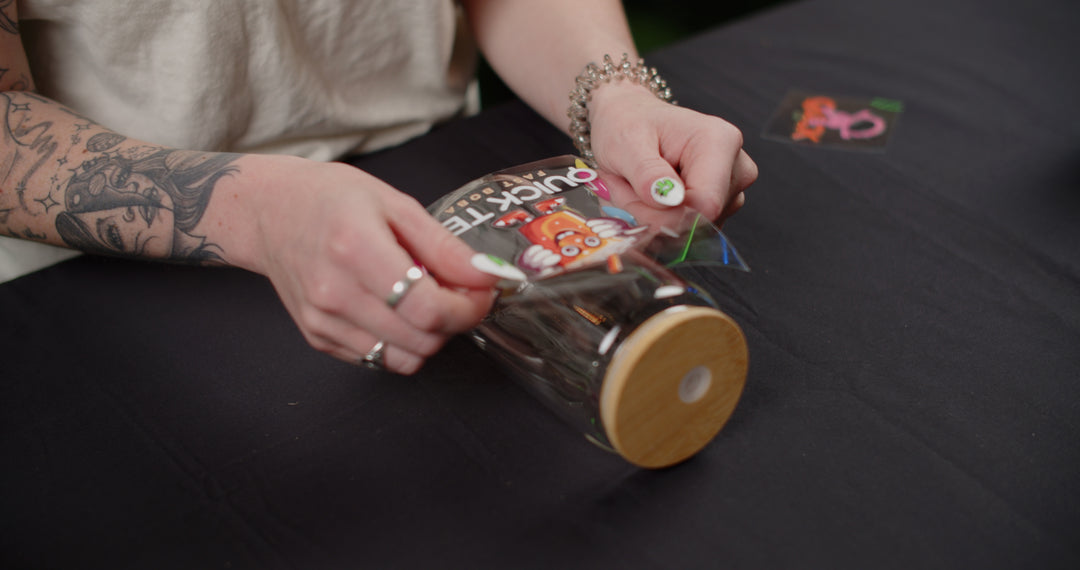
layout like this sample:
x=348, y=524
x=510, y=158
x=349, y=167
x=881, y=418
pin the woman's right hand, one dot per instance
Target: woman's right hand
x=334, y=240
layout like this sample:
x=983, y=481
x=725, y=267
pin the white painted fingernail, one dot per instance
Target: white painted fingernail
x=668, y=191
x=668, y=291
x=497, y=266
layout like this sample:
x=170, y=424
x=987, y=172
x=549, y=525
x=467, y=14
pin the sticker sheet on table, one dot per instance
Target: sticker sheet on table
x=833, y=121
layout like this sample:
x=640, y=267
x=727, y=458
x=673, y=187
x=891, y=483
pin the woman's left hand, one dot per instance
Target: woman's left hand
x=664, y=155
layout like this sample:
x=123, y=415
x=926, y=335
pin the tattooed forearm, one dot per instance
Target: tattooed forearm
x=65, y=179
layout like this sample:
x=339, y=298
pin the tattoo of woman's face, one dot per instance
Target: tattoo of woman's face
x=145, y=206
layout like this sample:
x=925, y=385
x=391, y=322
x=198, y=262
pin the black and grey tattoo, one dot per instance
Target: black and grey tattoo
x=7, y=22
x=25, y=145
x=146, y=207
x=119, y=199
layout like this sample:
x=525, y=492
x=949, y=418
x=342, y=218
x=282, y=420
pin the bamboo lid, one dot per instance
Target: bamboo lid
x=672, y=384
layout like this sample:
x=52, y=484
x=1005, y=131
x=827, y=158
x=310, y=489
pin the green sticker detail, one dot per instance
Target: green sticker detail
x=664, y=186
x=887, y=104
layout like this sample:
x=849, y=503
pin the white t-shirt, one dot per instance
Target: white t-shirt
x=312, y=78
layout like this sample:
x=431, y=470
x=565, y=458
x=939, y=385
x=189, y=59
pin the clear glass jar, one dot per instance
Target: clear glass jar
x=592, y=321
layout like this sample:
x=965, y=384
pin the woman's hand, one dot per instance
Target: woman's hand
x=664, y=155
x=334, y=240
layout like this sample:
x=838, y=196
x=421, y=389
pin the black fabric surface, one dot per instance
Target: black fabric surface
x=913, y=319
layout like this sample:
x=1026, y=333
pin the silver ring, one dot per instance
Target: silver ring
x=397, y=292
x=374, y=358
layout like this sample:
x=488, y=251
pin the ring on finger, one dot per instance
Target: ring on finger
x=400, y=288
x=374, y=358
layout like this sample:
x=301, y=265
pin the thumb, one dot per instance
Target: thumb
x=654, y=180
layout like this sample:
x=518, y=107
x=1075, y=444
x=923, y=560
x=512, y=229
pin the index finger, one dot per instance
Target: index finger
x=444, y=255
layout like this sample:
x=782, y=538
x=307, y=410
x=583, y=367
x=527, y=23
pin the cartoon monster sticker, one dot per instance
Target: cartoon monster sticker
x=563, y=238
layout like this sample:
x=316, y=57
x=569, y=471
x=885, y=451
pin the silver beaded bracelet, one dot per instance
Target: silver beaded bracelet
x=592, y=77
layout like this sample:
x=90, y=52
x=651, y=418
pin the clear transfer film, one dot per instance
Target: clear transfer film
x=579, y=276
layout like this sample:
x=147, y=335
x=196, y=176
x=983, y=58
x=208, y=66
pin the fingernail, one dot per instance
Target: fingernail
x=498, y=267
x=668, y=191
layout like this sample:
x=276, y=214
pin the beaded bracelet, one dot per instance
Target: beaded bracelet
x=592, y=77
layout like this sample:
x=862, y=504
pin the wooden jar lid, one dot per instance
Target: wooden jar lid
x=672, y=385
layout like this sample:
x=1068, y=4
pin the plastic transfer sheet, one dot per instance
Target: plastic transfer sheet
x=546, y=218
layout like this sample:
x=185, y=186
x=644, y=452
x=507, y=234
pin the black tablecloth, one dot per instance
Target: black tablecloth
x=913, y=319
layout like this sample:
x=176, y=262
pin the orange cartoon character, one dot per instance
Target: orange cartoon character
x=810, y=125
x=563, y=238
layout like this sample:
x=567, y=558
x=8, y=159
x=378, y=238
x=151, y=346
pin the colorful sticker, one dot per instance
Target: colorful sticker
x=848, y=123
x=543, y=219
x=538, y=221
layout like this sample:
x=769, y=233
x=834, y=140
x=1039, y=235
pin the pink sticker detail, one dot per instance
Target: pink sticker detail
x=597, y=187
